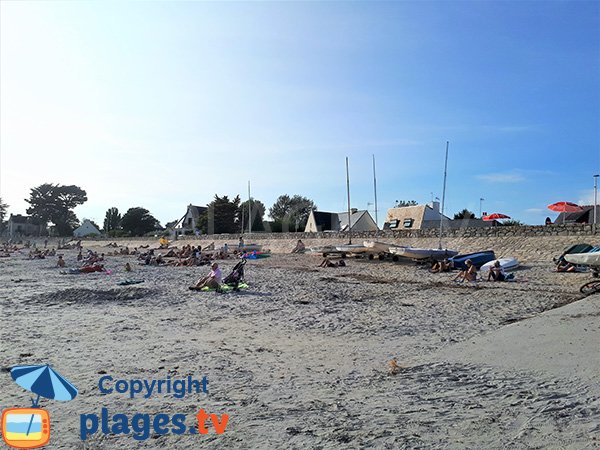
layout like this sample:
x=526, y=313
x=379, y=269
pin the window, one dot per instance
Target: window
x=408, y=223
x=394, y=223
x=189, y=221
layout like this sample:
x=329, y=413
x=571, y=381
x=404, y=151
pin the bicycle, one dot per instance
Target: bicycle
x=591, y=287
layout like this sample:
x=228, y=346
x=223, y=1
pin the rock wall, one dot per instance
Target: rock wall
x=527, y=243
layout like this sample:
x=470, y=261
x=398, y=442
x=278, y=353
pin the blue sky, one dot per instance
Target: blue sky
x=161, y=104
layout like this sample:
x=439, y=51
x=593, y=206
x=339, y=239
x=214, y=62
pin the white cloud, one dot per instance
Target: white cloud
x=586, y=197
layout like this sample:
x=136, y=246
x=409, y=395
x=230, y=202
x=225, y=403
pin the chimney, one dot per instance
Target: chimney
x=353, y=210
x=435, y=205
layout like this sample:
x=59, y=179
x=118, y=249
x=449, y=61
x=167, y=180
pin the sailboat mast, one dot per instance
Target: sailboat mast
x=249, y=210
x=348, y=190
x=375, y=190
x=443, y=195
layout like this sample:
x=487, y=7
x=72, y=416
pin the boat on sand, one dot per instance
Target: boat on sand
x=422, y=253
x=591, y=258
x=507, y=264
x=478, y=259
x=352, y=248
x=381, y=247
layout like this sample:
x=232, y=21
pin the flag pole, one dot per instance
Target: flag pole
x=348, y=190
x=375, y=190
x=249, y=211
x=443, y=196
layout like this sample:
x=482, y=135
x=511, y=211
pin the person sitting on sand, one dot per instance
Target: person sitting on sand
x=61, y=262
x=300, y=247
x=440, y=266
x=241, y=242
x=468, y=274
x=127, y=267
x=496, y=272
x=212, y=280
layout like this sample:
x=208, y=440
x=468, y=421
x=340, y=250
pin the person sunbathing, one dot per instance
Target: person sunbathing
x=565, y=266
x=328, y=263
x=92, y=268
x=212, y=280
x=468, y=274
x=61, y=262
x=440, y=266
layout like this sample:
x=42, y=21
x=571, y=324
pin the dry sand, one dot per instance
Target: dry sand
x=300, y=359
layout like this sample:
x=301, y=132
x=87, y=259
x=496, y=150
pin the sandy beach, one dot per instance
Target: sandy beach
x=300, y=359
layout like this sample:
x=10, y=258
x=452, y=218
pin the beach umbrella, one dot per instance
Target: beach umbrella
x=564, y=207
x=495, y=216
x=45, y=382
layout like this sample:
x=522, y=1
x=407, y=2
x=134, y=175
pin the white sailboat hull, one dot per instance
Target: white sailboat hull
x=422, y=253
x=588, y=259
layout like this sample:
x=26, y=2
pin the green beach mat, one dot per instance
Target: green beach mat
x=225, y=288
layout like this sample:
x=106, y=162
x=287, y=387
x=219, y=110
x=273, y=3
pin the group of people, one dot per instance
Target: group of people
x=469, y=273
x=41, y=254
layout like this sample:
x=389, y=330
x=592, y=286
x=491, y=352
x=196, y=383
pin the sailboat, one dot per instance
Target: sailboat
x=430, y=253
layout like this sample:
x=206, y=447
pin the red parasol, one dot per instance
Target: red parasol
x=495, y=216
x=565, y=207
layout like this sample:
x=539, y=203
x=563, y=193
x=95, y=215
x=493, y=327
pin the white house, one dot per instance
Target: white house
x=189, y=221
x=19, y=226
x=326, y=221
x=86, y=229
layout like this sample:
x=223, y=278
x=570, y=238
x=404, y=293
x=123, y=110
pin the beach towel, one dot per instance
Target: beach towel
x=129, y=282
x=225, y=288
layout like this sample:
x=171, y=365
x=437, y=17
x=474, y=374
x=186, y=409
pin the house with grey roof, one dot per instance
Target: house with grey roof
x=329, y=221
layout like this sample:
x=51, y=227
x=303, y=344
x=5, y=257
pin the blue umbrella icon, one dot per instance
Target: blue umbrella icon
x=45, y=382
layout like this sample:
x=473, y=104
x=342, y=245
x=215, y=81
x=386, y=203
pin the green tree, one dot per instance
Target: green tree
x=112, y=220
x=55, y=203
x=402, y=203
x=221, y=216
x=464, y=214
x=3, y=209
x=291, y=213
x=138, y=221
x=258, y=214
x=512, y=223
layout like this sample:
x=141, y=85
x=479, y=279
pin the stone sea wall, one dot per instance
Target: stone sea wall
x=527, y=243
